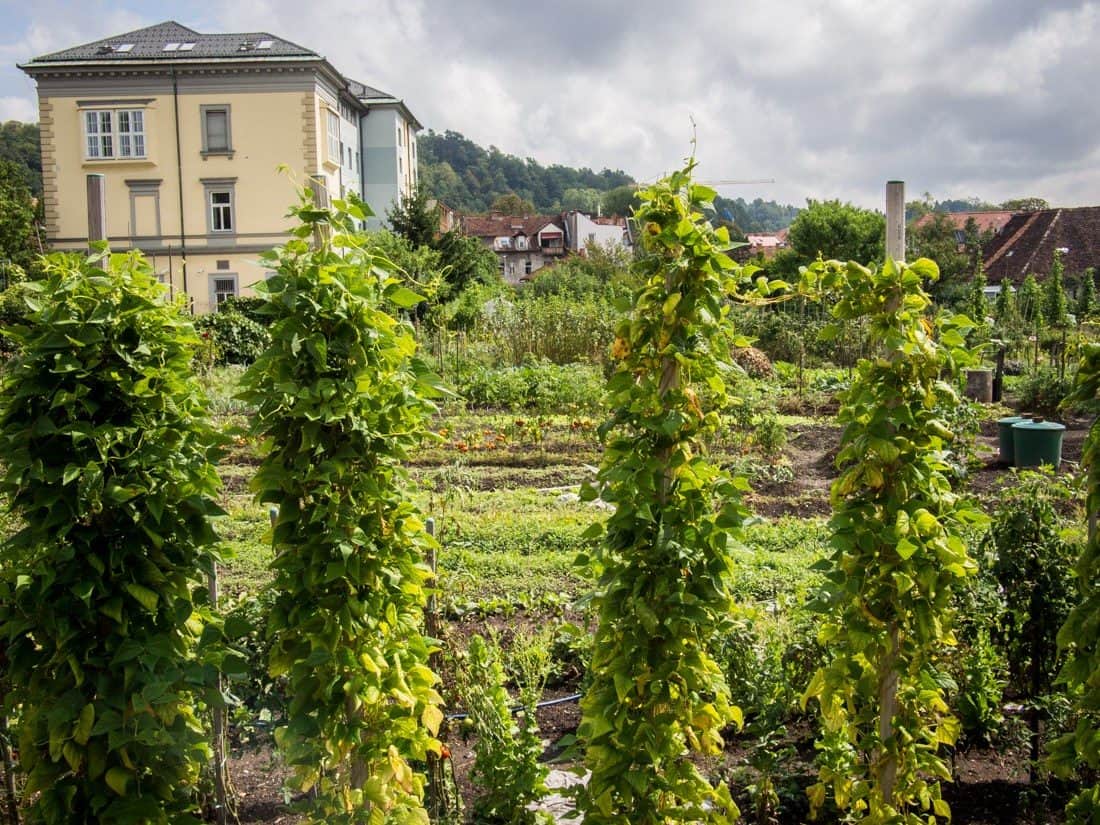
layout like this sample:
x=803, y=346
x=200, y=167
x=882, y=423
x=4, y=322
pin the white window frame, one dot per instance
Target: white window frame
x=215, y=212
x=110, y=134
x=221, y=210
x=332, y=127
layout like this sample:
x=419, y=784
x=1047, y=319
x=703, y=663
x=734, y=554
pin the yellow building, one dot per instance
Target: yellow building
x=177, y=138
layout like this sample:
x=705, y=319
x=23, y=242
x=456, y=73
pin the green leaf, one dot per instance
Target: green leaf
x=118, y=779
x=146, y=597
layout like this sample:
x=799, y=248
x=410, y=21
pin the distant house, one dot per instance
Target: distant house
x=990, y=222
x=765, y=244
x=582, y=230
x=523, y=244
x=1027, y=243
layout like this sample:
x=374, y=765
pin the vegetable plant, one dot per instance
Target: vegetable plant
x=108, y=458
x=506, y=766
x=1079, y=637
x=340, y=400
x=657, y=697
x=896, y=556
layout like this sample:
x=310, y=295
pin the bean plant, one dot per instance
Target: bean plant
x=657, y=699
x=340, y=400
x=1079, y=637
x=108, y=454
x=897, y=553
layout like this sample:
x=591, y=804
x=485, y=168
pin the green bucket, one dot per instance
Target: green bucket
x=1037, y=442
x=1004, y=437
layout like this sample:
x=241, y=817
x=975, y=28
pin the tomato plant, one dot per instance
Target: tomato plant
x=340, y=400
x=897, y=552
x=657, y=696
x=108, y=454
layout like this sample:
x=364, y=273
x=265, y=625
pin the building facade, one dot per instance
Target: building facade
x=523, y=244
x=195, y=144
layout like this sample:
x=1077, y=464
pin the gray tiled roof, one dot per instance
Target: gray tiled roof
x=365, y=92
x=148, y=44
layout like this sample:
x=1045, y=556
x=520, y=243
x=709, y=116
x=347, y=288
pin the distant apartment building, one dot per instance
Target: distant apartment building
x=183, y=135
x=524, y=244
x=582, y=229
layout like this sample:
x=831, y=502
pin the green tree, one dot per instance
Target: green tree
x=897, y=552
x=19, y=146
x=108, y=458
x=1086, y=297
x=622, y=201
x=512, y=204
x=1030, y=300
x=466, y=261
x=839, y=231
x=1005, y=310
x=19, y=243
x=421, y=267
x=1055, y=305
x=584, y=199
x=416, y=218
x=1025, y=204
x=340, y=403
x=657, y=697
x=937, y=240
x=977, y=307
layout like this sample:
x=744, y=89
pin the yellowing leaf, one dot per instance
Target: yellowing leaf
x=117, y=780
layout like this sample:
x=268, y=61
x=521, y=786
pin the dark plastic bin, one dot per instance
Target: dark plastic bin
x=1037, y=442
x=1004, y=437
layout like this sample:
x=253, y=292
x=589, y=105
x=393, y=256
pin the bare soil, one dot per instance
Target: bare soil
x=991, y=786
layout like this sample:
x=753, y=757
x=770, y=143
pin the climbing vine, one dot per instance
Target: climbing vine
x=657, y=698
x=1079, y=637
x=108, y=453
x=896, y=556
x=340, y=400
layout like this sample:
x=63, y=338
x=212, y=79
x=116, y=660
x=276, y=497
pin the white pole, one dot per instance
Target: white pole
x=895, y=220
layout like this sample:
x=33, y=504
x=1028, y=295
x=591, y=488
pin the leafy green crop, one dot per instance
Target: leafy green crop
x=108, y=455
x=897, y=553
x=658, y=698
x=340, y=401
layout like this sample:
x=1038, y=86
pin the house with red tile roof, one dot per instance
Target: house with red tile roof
x=523, y=244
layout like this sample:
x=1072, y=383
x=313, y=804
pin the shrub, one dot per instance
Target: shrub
x=108, y=456
x=250, y=308
x=237, y=338
x=1042, y=391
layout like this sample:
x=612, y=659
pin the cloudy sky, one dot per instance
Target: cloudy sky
x=987, y=98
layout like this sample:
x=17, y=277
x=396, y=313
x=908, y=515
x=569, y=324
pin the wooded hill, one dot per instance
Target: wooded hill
x=469, y=178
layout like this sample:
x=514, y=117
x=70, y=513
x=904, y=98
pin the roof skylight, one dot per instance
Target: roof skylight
x=186, y=47
x=265, y=44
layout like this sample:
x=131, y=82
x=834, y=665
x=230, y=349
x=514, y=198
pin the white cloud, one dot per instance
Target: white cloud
x=831, y=100
x=18, y=108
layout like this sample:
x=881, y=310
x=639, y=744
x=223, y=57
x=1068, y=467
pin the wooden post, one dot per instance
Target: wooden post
x=895, y=220
x=221, y=778
x=441, y=807
x=999, y=374
x=97, y=207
